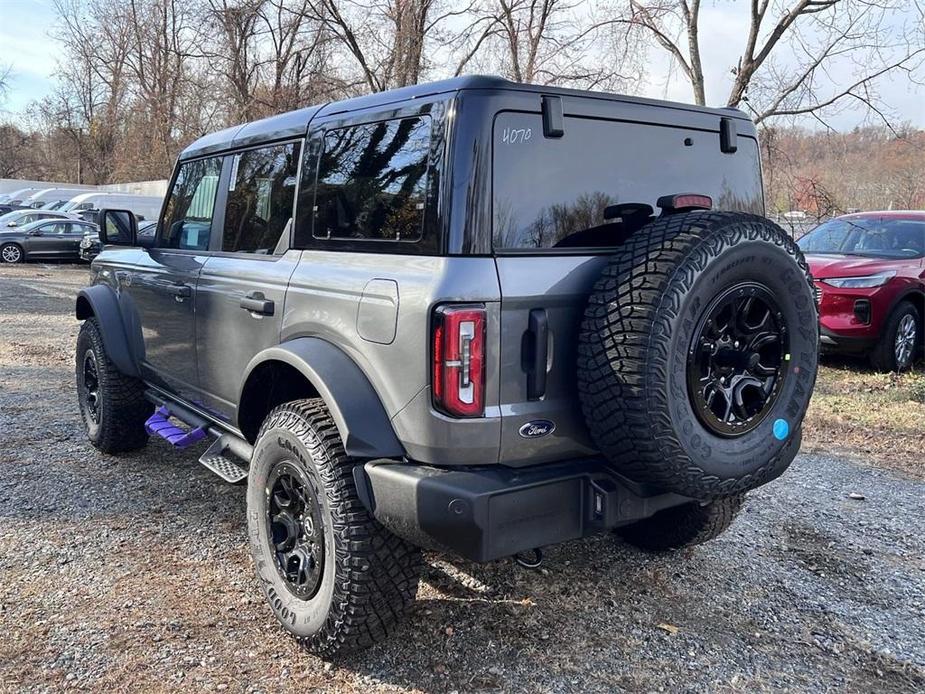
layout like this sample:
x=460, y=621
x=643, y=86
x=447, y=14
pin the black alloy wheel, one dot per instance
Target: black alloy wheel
x=90, y=387
x=737, y=359
x=295, y=529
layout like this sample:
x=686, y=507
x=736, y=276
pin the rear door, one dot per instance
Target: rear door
x=242, y=288
x=546, y=190
x=70, y=240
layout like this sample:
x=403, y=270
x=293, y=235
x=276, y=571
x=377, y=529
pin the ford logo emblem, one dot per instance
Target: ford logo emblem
x=537, y=428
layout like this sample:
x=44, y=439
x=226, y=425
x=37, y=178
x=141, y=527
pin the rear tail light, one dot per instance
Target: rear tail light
x=459, y=360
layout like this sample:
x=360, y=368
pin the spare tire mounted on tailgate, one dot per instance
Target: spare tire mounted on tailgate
x=697, y=354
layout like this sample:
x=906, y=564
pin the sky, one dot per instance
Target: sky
x=25, y=44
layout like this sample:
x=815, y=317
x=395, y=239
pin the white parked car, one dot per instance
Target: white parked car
x=86, y=204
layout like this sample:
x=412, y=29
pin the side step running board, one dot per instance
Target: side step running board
x=228, y=456
x=216, y=458
x=159, y=424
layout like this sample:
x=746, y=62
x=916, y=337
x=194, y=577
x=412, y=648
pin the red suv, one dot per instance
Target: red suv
x=869, y=271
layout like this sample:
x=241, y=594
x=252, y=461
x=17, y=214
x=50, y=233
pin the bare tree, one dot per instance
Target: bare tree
x=298, y=62
x=16, y=151
x=236, y=53
x=549, y=42
x=791, y=48
x=165, y=38
x=5, y=72
x=385, y=40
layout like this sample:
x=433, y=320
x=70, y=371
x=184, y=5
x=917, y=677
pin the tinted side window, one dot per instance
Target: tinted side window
x=260, y=198
x=546, y=190
x=372, y=181
x=189, y=210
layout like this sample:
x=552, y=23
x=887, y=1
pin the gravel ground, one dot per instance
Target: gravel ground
x=132, y=574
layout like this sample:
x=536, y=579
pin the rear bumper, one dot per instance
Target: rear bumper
x=485, y=513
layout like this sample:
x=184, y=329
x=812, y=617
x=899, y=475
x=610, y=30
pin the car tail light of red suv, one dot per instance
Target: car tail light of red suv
x=459, y=360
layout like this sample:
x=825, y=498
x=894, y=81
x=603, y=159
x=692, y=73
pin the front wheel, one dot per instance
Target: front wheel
x=11, y=253
x=896, y=349
x=112, y=405
x=334, y=577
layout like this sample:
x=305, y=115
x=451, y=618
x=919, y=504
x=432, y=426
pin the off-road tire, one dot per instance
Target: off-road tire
x=638, y=329
x=369, y=576
x=683, y=526
x=122, y=408
x=6, y=251
x=883, y=357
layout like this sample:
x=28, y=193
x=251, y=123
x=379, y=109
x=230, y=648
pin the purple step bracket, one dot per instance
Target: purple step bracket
x=159, y=424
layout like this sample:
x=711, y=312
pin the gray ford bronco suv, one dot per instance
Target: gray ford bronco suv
x=473, y=315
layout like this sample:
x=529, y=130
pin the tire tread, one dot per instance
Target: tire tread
x=376, y=572
x=124, y=408
x=623, y=346
x=683, y=526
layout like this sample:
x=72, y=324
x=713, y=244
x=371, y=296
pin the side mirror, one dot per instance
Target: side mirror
x=35, y=232
x=118, y=228
x=12, y=224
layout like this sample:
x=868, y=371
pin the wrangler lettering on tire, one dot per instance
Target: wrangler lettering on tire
x=697, y=354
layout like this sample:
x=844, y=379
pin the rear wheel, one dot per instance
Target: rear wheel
x=697, y=354
x=895, y=351
x=112, y=404
x=334, y=577
x=11, y=253
x=683, y=526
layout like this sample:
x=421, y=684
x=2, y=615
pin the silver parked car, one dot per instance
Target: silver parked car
x=19, y=218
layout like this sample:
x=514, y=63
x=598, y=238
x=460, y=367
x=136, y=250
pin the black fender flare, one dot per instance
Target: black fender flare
x=358, y=413
x=100, y=302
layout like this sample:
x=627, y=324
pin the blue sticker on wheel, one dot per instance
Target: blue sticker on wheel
x=781, y=429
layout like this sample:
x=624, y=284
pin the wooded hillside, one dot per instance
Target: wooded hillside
x=826, y=173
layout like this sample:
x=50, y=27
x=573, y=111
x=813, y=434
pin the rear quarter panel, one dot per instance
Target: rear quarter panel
x=326, y=294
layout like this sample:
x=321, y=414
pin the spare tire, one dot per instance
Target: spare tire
x=697, y=354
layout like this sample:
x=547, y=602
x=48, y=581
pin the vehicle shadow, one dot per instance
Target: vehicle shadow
x=483, y=626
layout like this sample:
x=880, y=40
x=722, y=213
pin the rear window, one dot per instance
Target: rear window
x=547, y=190
x=372, y=181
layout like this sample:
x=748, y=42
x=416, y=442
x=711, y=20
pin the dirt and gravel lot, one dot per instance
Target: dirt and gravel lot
x=132, y=573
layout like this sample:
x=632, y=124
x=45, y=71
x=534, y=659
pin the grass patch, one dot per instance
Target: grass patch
x=876, y=417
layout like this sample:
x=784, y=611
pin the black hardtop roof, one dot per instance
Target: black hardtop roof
x=294, y=123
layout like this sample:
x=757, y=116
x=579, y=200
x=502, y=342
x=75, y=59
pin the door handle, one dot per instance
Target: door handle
x=180, y=291
x=258, y=304
x=535, y=353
